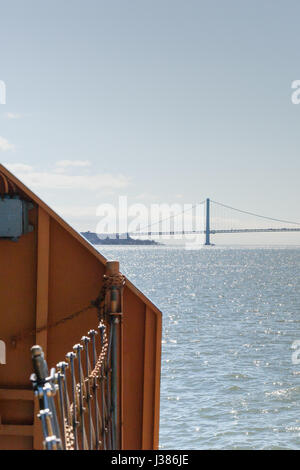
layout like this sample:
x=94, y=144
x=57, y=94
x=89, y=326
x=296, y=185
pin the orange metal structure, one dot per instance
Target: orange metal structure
x=46, y=275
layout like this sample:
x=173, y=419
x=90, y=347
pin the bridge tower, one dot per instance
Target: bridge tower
x=207, y=226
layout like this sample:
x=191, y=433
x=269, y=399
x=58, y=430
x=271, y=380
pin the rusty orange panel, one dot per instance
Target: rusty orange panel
x=45, y=276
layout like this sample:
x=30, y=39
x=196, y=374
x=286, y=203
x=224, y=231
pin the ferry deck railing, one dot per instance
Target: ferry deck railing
x=78, y=399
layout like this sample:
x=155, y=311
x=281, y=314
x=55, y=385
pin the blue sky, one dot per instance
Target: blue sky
x=163, y=101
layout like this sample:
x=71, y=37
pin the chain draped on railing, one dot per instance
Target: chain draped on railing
x=78, y=399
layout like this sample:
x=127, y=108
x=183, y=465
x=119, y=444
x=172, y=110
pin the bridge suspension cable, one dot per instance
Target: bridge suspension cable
x=256, y=215
x=167, y=218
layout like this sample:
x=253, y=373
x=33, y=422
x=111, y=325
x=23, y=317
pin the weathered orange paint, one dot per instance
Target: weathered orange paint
x=45, y=276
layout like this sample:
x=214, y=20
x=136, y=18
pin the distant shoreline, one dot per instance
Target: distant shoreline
x=93, y=238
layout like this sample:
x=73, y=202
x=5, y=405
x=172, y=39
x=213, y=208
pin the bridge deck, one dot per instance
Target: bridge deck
x=195, y=232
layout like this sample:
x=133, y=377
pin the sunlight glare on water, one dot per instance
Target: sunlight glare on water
x=230, y=316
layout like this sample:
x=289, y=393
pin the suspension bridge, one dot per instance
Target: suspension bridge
x=217, y=221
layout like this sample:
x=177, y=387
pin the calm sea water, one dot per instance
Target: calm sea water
x=230, y=317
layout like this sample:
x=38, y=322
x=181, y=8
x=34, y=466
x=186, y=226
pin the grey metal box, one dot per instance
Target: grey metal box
x=14, y=220
x=11, y=218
